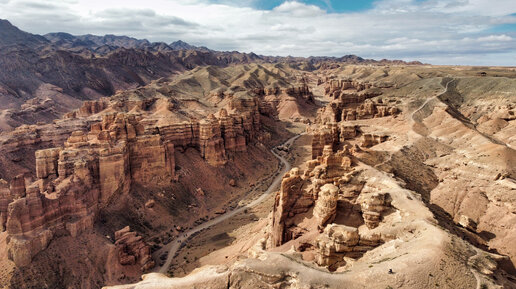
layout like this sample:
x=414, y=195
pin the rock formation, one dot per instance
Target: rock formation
x=290, y=200
x=300, y=191
x=369, y=140
x=335, y=122
x=17, y=152
x=211, y=142
x=373, y=205
x=333, y=243
x=325, y=208
x=318, y=198
x=132, y=249
x=339, y=244
x=134, y=144
x=354, y=109
x=335, y=135
x=365, y=207
x=351, y=101
x=74, y=181
x=334, y=87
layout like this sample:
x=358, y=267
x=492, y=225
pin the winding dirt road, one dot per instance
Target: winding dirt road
x=174, y=246
x=445, y=90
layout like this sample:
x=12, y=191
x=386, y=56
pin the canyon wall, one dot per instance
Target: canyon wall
x=91, y=170
x=336, y=122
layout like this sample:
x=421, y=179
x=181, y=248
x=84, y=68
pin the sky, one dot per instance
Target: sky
x=467, y=32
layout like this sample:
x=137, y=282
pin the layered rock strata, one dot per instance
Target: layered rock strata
x=351, y=101
x=18, y=147
x=325, y=208
x=335, y=239
x=290, y=200
x=93, y=169
x=373, y=205
x=89, y=172
x=369, y=139
x=299, y=192
x=333, y=135
x=131, y=249
x=334, y=87
x=349, y=109
x=328, y=197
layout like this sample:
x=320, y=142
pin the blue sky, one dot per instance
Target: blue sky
x=468, y=32
x=333, y=6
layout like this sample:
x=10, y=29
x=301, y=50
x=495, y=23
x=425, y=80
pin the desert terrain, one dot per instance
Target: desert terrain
x=183, y=167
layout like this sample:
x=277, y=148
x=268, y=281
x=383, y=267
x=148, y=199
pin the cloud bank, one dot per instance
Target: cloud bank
x=434, y=31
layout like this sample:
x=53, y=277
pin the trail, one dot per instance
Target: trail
x=174, y=246
x=428, y=100
x=463, y=119
x=474, y=271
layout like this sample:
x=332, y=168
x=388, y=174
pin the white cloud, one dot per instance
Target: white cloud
x=495, y=38
x=437, y=31
x=299, y=9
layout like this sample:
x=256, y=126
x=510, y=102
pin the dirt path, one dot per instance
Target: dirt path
x=473, y=271
x=428, y=100
x=174, y=246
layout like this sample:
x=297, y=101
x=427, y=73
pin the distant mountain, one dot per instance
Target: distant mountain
x=107, y=43
x=41, y=78
x=93, y=41
x=11, y=35
x=181, y=45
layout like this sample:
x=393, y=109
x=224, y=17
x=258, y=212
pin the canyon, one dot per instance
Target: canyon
x=191, y=168
x=371, y=193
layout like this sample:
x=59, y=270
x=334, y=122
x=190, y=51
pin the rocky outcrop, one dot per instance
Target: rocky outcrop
x=47, y=163
x=335, y=120
x=333, y=243
x=349, y=109
x=333, y=135
x=290, y=200
x=17, y=187
x=373, y=205
x=90, y=107
x=232, y=132
x=351, y=101
x=248, y=115
x=131, y=249
x=369, y=139
x=337, y=135
x=301, y=91
x=216, y=138
x=17, y=149
x=339, y=244
x=76, y=180
x=325, y=208
x=92, y=169
x=334, y=87
x=32, y=220
x=327, y=136
x=211, y=143
x=366, y=110
x=5, y=199
x=300, y=191
x=333, y=203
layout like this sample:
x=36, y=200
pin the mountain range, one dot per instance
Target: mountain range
x=43, y=77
